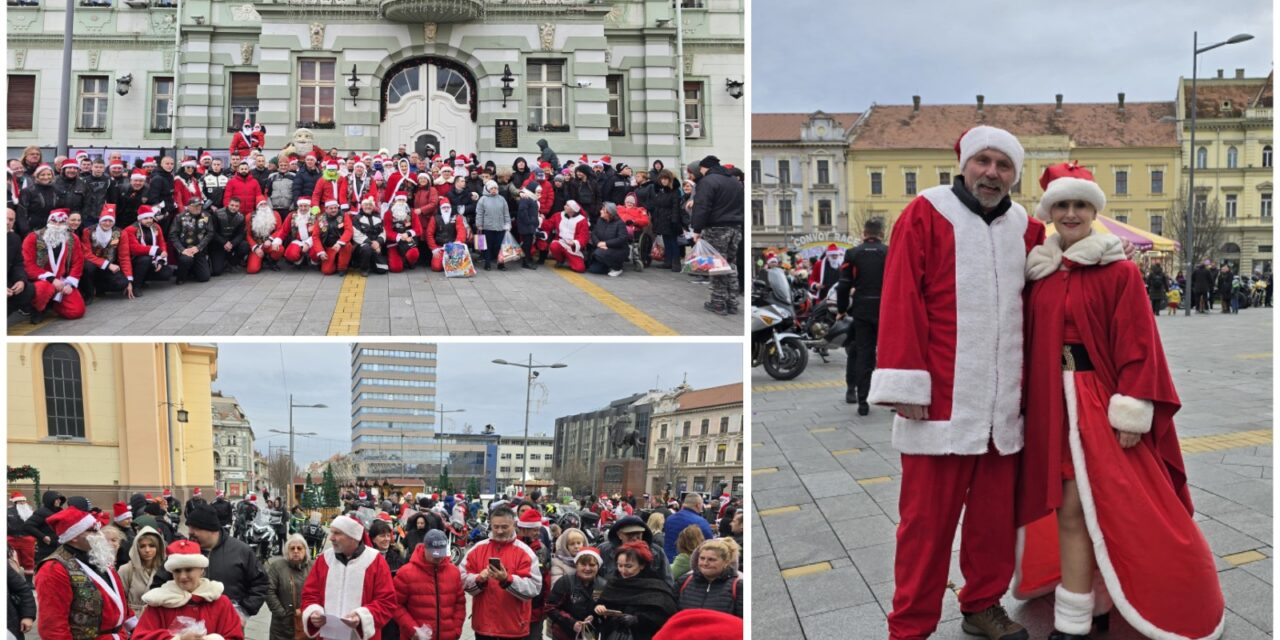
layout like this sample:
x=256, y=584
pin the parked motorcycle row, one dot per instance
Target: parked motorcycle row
x=788, y=320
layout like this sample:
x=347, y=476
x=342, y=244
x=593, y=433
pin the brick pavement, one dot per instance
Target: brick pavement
x=515, y=302
x=825, y=487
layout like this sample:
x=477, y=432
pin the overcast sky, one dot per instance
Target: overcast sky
x=842, y=56
x=490, y=393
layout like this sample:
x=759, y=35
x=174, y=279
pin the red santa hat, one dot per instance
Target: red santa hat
x=606, y=160
x=70, y=164
x=145, y=212
x=588, y=551
x=384, y=516
x=108, y=212
x=1068, y=181
x=331, y=166
x=985, y=137
x=184, y=554
x=206, y=156
x=149, y=162
x=459, y=496
x=59, y=216
x=330, y=203
x=82, y=155
x=120, y=512
x=770, y=259
x=195, y=492
x=189, y=161
x=17, y=497
x=399, y=196
x=583, y=159
x=304, y=203
x=71, y=522
x=253, y=498
x=572, y=205
x=520, y=494
x=138, y=175
x=348, y=525
x=363, y=496
x=149, y=497
x=435, y=496
x=218, y=493
x=530, y=519
x=166, y=493
x=833, y=250
x=101, y=517
x=115, y=163
x=704, y=624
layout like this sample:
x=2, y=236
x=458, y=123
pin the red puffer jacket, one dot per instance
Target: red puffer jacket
x=430, y=594
x=244, y=187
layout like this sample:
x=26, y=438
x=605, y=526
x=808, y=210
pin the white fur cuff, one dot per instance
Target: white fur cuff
x=1130, y=415
x=367, y=626
x=306, y=618
x=900, y=386
x=214, y=636
x=1072, y=612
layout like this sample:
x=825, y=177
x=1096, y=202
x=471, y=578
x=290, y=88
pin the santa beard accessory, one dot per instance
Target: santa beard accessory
x=55, y=235
x=446, y=212
x=101, y=554
x=264, y=220
x=985, y=137
x=101, y=237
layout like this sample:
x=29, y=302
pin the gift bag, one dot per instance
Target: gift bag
x=658, y=253
x=481, y=244
x=704, y=260
x=510, y=250
x=457, y=261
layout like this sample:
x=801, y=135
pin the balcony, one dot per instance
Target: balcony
x=437, y=11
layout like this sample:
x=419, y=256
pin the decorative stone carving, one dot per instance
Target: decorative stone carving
x=614, y=17
x=246, y=53
x=317, y=35
x=94, y=22
x=94, y=56
x=688, y=63
x=20, y=58
x=429, y=32
x=168, y=61
x=22, y=20
x=245, y=12
x=608, y=56
x=547, y=34
x=162, y=22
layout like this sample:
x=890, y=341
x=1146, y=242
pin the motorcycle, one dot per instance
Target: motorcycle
x=774, y=342
x=459, y=539
x=261, y=534
x=313, y=532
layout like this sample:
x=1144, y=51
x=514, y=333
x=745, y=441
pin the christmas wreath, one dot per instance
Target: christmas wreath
x=27, y=472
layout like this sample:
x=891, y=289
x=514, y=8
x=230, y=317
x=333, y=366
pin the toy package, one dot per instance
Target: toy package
x=457, y=261
x=704, y=260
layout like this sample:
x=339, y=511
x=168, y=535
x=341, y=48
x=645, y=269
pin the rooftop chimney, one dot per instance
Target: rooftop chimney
x=980, y=99
x=1219, y=74
x=1058, y=97
x=915, y=104
x=1121, y=97
x=1239, y=74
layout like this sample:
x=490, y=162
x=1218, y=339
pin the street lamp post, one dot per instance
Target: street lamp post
x=531, y=373
x=440, y=431
x=288, y=505
x=1191, y=164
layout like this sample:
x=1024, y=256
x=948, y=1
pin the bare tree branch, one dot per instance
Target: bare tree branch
x=1209, y=227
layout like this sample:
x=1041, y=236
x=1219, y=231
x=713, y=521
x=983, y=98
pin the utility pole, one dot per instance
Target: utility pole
x=64, y=104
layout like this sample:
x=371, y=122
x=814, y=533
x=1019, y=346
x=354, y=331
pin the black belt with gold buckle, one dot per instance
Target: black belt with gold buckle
x=1075, y=358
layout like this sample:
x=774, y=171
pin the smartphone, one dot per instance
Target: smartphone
x=495, y=563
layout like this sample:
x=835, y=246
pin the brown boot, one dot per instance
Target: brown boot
x=993, y=624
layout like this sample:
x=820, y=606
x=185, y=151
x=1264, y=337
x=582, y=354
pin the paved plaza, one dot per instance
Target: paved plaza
x=825, y=486
x=517, y=301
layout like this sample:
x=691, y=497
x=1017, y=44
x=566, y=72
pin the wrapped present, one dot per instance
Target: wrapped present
x=457, y=261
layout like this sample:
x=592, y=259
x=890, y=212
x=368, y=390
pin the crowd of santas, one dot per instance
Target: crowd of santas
x=93, y=229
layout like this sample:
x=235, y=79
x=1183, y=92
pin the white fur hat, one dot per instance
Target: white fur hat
x=985, y=137
x=349, y=526
x=1068, y=181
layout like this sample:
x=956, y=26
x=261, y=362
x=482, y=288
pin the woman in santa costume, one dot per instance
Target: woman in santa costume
x=297, y=233
x=1102, y=479
x=80, y=594
x=186, y=183
x=147, y=250
x=567, y=233
x=188, y=595
x=54, y=262
x=404, y=234
x=350, y=581
x=394, y=178
x=265, y=234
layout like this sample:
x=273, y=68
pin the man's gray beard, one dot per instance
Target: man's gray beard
x=101, y=554
x=988, y=203
x=55, y=236
x=508, y=538
x=101, y=236
x=264, y=221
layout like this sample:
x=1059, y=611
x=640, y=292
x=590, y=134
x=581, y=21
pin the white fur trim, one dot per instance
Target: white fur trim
x=170, y=596
x=1070, y=189
x=349, y=526
x=985, y=137
x=306, y=615
x=1100, y=553
x=900, y=386
x=1072, y=612
x=83, y=525
x=1130, y=415
x=214, y=636
x=344, y=583
x=185, y=561
x=367, y=625
x=1093, y=249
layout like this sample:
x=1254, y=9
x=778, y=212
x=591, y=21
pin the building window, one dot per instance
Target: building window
x=1157, y=181
x=699, y=483
x=315, y=92
x=1122, y=219
x=505, y=470
x=662, y=455
x=757, y=213
x=663, y=433
x=1265, y=209
x=22, y=95
x=739, y=457
x=910, y=178
x=63, y=391
x=784, y=213
x=93, y=103
x=877, y=183
x=1157, y=225
x=684, y=454
x=546, y=94
x=755, y=172
x=724, y=424
x=162, y=105
x=1266, y=156
x=705, y=427
x=617, y=120
x=1202, y=158
x=505, y=456
x=721, y=451
x=1122, y=183
x=1230, y=210
x=784, y=171
x=1202, y=204
x=702, y=454
x=944, y=178
x=244, y=99
x=686, y=432
x=824, y=172
x=1233, y=157
x=693, y=110
x=824, y=213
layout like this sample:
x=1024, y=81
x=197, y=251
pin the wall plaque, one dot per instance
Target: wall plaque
x=505, y=134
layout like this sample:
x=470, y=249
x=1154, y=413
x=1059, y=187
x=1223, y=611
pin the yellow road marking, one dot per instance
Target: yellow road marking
x=26, y=328
x=1244, y=557
x=822, y=430
x=841, y=452
x=778, y=511
x=1202, y=444
x=764, y=471
x=1254, y=356
x=805, y=570
x=876, y=480
x=629, y=312
x=346, y=314
x=797, y=386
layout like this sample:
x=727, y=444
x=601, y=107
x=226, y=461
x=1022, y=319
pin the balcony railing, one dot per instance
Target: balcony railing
x=437, y=11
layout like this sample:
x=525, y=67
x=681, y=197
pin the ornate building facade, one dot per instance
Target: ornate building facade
x=233, y=468
x=697, y=442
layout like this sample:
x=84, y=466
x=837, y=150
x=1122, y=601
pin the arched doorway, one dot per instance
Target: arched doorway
x=429, y=101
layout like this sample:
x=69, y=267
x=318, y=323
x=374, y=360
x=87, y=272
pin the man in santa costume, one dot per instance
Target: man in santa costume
x=54, y=262
x=265, y=235
x=368, y=237
x=444, y=227
x=566, y=234
x=249, y=137
x=404, y=234
x=331, y=186
x=331, y=240
x=360, y=185
x=395, y=178
x=148, y=253
x=108, y=267
x=350, y=581
x=79, y=593
x=826, y=273
x=297, y=234
x=21, y=539
x=951, y=315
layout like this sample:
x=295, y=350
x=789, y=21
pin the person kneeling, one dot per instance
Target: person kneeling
x=54, y=262
x=570, y=232
x=190, y=238
x=298, y=233
x=107, y=264
x=369, y=238
x=265, y=235
x=612, y=239
x=443, y=228
x=331, y=240
x=210, y=615
x=148, y=252
x=404, y=231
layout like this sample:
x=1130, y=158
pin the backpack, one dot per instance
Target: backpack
x=281, y=193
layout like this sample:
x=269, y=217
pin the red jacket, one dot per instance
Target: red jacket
x=394, y=178
x=548, y=197
x=131, y=236
x=182, y=193
x=219, y=617
x=415, y=223
x=324, y=192
x=122, y=258
x=244, y=187
x=248, y=230
x=495, y=610
x=425, y=203
x=70, y=265
x=430, y=594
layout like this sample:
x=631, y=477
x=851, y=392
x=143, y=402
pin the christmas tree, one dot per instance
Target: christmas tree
x=329, y=491
x=473, y=488
x=309, y=493
x=444, y=484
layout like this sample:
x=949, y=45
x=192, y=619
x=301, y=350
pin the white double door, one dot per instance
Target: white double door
x=429, y=104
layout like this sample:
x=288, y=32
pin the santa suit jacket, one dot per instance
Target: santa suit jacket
x=343, y=221
x=69, y=268
x=951, y=325
x=185, y=189
x=362, y=584
x=241, y=146
x=123, y=258
x=278, y=232
x=55, y=596
x=558, y=227
x=459, y=225
x=168, y=602
x=132, y=236
x=325, y=191
x=388, y=226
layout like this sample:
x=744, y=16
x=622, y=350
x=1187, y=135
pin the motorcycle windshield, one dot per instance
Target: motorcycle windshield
x=263, y=519
x=779, y=288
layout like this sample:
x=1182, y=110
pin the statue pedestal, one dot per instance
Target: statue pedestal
x=620, y=476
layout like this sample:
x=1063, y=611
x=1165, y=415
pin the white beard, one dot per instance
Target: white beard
x=264, y=222
x=101, y=553
x=55, y=236
x=24, y=510
x=447, y=215
x=303, y=223
x=101, y=237
x=399, y=212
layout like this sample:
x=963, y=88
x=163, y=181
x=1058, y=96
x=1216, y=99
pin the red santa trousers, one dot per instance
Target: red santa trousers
x=396, y=264
x=269, y=251
x=559, y=254
x=1153, y=560
x=328, y=267
x=70, y=307
x=293, y=253
x=934, y=490
x=437, y=260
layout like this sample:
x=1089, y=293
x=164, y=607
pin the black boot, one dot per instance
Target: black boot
x=528, y=264
x=863, y=408
x=851, y=396
x=502, y=266
x=38, y=316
